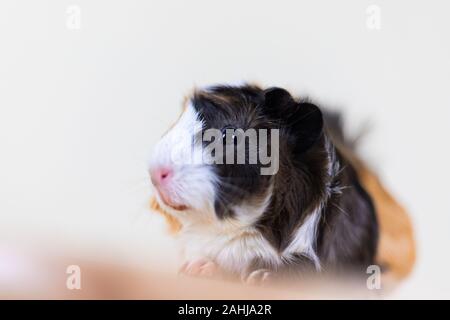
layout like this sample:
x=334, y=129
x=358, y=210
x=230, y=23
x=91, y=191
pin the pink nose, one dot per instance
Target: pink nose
x=160, y=176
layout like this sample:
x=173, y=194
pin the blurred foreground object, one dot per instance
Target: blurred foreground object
x=25, y=275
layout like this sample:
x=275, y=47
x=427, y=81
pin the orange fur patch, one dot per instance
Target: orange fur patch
x=174, y=224
x=396, y=247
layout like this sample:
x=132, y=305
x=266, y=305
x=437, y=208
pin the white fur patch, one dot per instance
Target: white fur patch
x=231, y=243
x=233, y=250
x=249, y=213
x=193, y=184
x=304, y=240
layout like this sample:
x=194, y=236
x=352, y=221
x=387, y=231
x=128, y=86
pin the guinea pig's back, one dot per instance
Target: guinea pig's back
x=396, y=252
x=396, y=248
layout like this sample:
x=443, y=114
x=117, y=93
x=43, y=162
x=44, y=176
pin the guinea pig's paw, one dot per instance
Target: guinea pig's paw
x=200, y=268
x=258, y=277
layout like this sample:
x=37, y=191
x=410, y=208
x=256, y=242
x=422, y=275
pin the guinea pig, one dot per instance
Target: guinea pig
x=308, y=212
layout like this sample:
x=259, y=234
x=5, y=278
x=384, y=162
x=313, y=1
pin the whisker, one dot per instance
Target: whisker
x=340, y=209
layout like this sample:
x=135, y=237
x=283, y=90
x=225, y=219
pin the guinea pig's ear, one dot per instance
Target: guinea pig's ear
x=277, y=100
x=303, y=120
x=307, y=125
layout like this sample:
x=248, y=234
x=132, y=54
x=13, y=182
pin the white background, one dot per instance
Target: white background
x=81, y=109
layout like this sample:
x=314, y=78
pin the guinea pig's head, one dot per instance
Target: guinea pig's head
x=221, y=158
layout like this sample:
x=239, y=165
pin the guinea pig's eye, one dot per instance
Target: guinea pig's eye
x=233, y=136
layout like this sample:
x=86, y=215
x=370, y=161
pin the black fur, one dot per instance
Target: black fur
x=347, y=233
